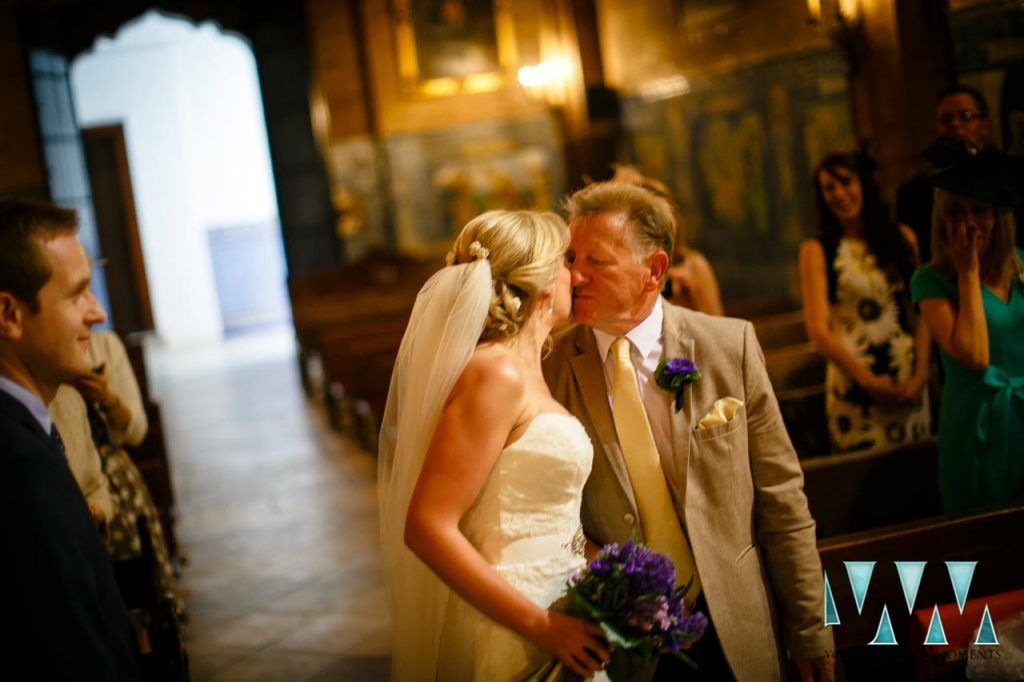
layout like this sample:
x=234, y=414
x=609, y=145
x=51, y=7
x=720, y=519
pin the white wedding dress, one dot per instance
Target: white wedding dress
x=525, y=520
x=526, y=523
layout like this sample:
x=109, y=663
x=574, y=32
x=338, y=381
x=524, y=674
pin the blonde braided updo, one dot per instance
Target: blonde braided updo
x=525, y=250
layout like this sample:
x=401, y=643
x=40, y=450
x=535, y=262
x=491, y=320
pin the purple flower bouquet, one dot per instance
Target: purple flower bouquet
x=630, y=591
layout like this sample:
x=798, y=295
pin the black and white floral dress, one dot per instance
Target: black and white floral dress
x=870, y=314
x=131, y=496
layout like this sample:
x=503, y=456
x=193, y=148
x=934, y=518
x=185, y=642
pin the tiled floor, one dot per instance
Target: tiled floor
x=277, y=516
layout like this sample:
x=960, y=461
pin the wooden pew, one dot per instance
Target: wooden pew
x=315, y=318
x=162, y=654
x=796, y=366
x=872, y=489
x=377, y=270
x=373, y=382
x=150, y=456
x=780, y=330
x=752, y=308
x=381, y=284
x=346, y=353
x=989, y=536
x=803, y=411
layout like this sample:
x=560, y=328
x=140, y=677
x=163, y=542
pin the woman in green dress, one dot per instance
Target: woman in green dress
x=972, y=299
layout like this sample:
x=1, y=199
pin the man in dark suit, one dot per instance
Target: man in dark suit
x=66, y=618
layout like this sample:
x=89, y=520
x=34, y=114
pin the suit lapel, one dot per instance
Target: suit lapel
x=589, y=374
x=678, y=344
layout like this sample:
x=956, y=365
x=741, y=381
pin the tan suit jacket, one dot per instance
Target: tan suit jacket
x=742, y=505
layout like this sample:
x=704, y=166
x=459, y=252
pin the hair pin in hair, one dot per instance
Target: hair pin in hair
x=479, y=250
x=449, y=258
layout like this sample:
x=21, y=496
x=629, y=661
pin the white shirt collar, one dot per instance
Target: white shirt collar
x=30, y=400
x=644, y=336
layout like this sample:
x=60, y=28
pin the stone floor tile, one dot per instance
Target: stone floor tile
x=275, y=666
x=339, y=635
x=278, y=517
x=364, y=669
x=253, y=630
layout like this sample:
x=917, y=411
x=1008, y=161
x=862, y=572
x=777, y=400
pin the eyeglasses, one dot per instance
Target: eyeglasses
x=964, y=116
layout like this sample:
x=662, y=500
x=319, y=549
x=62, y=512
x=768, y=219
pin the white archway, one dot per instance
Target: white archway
x=188, y=98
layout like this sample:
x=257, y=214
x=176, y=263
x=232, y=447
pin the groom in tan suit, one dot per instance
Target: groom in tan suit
x=734, y=496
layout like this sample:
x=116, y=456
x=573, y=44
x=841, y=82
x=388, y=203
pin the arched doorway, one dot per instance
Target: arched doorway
x=54, y=35
x=183, y=103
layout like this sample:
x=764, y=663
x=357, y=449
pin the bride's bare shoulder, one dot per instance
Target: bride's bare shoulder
x=493, y=369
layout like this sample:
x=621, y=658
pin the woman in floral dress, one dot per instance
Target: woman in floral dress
x=117, y=418
x=854, y=278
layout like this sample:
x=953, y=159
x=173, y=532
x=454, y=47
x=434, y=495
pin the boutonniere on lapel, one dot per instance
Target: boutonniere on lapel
x=673, y=375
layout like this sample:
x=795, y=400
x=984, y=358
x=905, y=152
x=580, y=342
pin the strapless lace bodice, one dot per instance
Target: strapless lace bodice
x=526, y=523
x=530, y=505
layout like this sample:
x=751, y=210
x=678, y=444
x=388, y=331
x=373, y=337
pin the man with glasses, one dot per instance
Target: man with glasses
x=961, y=117
x=962, y=114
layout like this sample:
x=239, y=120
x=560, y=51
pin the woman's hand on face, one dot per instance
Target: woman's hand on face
x=93, y=385
x=962, y=242
x=579, y=645
x=882, y=389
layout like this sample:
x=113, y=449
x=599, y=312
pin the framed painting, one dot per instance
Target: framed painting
x=451, y=46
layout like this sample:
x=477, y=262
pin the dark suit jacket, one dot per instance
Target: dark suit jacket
x=64, y=616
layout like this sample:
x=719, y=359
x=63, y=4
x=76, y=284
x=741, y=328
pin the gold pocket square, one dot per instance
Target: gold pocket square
x=721, y=412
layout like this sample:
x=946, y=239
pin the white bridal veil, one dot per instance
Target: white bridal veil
x=446, y=323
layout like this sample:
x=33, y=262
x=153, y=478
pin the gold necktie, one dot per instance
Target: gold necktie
x=662, y=530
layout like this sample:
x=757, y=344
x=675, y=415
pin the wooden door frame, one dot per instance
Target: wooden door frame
x=114, y=134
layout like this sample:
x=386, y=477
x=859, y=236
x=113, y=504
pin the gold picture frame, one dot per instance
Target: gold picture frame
x=447, y=47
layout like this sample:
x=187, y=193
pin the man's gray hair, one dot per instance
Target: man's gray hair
x=651, y=219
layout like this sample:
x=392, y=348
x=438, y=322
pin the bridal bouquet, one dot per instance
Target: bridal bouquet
x=629, y=590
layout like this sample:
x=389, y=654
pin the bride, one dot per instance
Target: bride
x=481, y=470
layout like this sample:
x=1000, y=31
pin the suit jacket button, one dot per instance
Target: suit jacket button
x=629, y=518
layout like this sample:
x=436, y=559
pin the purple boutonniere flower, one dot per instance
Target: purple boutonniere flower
x=673, y=374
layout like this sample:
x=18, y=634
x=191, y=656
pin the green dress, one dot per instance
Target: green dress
x=981, y=423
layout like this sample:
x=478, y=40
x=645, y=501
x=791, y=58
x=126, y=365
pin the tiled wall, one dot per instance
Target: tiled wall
x=408, y=169
x=988, y=45
x=737, y=149
x=441, y=179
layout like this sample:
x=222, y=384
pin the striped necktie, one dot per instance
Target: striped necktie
x=57, y=440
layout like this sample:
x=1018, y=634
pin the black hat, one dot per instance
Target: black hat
x=986, y=175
